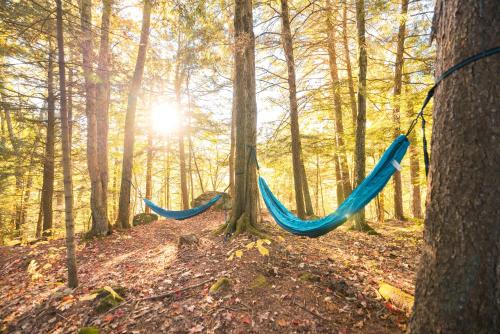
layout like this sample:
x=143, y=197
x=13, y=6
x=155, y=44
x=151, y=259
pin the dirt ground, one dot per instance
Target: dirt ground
x=323, y=285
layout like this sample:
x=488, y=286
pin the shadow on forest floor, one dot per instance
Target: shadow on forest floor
x=327, y=285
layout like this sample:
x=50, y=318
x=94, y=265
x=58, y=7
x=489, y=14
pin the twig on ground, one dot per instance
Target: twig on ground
x=310, y=311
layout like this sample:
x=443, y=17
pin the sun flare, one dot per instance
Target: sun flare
x=165, y=118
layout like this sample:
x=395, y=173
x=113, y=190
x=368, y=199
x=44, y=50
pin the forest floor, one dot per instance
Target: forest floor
x=323, y=285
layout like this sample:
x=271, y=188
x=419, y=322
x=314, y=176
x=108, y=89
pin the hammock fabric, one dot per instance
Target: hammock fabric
x=183, y=214
x=359, y=198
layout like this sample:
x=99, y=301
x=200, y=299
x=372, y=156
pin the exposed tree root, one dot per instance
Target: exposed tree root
x=234, y=227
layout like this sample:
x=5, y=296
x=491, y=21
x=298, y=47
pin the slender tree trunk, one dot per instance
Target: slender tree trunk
x=18, y=170
x=350, y=81
x=458, y=285
x=339, y=127
x=48, y=162
x=398, y=76
x=200, y=180
x=416, y=200
x=99, y=219
x=102, y=118
x=167, y=173
x=149, y=168
x=66, y=152
x=338, y=177
x=179, y=78
x=128, y=145
x=305, y=188
x=359, y=152
x=286, y=38
x=39, y=221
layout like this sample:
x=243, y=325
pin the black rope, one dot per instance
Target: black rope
x=430, y=94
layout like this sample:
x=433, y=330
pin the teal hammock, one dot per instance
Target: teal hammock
x=183, y=214
x=359, y=198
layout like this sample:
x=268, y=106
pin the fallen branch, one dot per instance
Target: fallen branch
x=170, y=293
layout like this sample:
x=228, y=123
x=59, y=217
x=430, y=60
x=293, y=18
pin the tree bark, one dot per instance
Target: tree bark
x=244, y=209
x=416, y=200
x=286, y=39
x=179, y=78
x=129, y=140
x=66, y=152
x=102, y=118
x=99, y=216
x=48, y=162
x=350, y=81
x=457, y=286
x=396, y=114
x=359, y=152
x=339, y=127
x=149, y=168
x=305, y=188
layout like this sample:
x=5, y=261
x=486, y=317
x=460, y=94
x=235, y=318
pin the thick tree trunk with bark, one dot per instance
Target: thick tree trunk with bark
x=359, y=152
x=244, y=210
x=286, y=39
x=339, y=127
x=48, y=161
x=458, y=285
x=129, y=140
x=350, y=81
x=66, y=153
x=396, y=114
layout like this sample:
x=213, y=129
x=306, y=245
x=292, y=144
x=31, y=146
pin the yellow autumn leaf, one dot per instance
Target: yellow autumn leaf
x=112, y=292
x=238, y=253
x=250, y=245
x=263, y=250
x=231, y=257
x=91, y=296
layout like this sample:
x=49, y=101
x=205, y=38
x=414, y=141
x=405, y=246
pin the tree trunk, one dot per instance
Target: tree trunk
x=179, y=78
x=338, y=175
x=99, y=219
x=286, y=38
x=305, y=188
x=167, y=173
x=48, y=162
x=398, y=76
x=128, y=144
x=244, y=212
x=102, y=118
x=66, y=152
x=350, y=81
x=457, y=286
x=149, y=168
x=416, y=201
x=359, y=152
x=339, y=127
x=18, y=170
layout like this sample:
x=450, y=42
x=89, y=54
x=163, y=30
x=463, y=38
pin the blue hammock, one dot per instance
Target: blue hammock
x=184, y=214
x=360, y=197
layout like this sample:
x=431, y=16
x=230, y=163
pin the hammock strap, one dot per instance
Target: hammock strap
x=430, y=94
